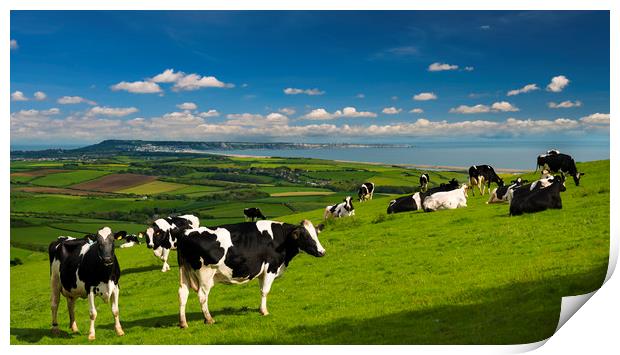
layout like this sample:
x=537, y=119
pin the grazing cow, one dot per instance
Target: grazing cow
x=424, y=180
x=162, y=235
x=238, y=253
x=501, y=194
x=366, y=191
x=405, y=204
x=539, y=199
x=446, y=199
x=560, y=163
x=343, y=209
x=82, y=269
x=479, y=175
x=253, y=214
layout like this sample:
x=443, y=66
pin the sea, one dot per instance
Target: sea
x=502, y=155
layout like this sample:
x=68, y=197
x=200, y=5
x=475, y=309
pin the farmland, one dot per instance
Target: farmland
x=467, y=276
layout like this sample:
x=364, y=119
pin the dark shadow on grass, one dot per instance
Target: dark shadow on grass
x=34, y=335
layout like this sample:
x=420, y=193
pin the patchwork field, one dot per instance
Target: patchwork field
x=466, y=276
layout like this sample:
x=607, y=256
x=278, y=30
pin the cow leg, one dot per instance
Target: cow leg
x=93, y=315
x=117, y=322
x=55, y=300
x=265, y=282
x=472, y=184
x=164, y=257
x=183, y=293
x=206, y=282
x=71, y=308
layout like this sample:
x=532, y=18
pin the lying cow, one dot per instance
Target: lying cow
x=560, y=163
x=405, y=204
x=482, y=176
x=525, y=188
x=130, y=239
x=82, y=269
x=446, y=200
x=501, y=194
x=539, y=199
x=162, y=235
x=238, y=253
x=366, y=191
x=343, y=209
x=424, y=180
x=253, y=214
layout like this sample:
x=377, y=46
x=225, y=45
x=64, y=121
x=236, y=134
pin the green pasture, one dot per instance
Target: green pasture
x=153, y=188
x=68, y=178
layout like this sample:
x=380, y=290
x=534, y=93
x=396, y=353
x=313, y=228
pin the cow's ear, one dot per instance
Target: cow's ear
x=319, y=228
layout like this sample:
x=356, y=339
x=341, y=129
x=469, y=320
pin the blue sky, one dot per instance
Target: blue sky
x=309, y=76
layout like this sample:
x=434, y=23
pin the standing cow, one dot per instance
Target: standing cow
x=162, y=235
x=366, y=191
x=482, y=176
x=253, y=214
x=238, y=253
x=560, y=162
x=82, y=269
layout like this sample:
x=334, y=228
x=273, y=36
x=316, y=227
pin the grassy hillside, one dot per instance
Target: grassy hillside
x=467, y=276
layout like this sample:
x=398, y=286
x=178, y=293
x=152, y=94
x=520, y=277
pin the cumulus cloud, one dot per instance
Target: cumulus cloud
x=596, y=119
x=501, y=106
x=504, y=106
x=558, y=83
x=194, y=82
x=210, y=113
x=137, y=87
x=523, y=90
x=425, y=96
x=347, y=112
x=310, y=92
x=18, y=96
x=167, y=76
x=392, y=110
x=256, y=120
x=416, y=110
x=187, y=106
x=14, y=45
x=442, y=67
x=111, y=111
x=564, y=104
x=71, y=100
x=289, y=111
x=40, y=96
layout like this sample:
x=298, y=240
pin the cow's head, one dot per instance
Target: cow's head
x=154, y=236
x=307, y=238
x=348, y=203
x=577, y=177
x=105, y=246
x=560, y=179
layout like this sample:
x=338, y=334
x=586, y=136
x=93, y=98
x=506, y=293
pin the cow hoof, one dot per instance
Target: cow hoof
x=182, y=325
x=91, y=337
x=263, y=312
x=120, y=332
x=75, y=329
x=210, y=321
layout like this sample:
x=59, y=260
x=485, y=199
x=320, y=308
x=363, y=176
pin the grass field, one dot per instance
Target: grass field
x=152, y=188
x=467, y=276
x=68, y=178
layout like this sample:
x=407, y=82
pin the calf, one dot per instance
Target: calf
x=130, y=239
x=405, y=204
x=82, y=269
x=238, y=253
x=446, y=200
x=479, y=175
x=366, y=191
x=161, y=236
x=343, y=209
x=253, y=214
x=538, y=199
x=501, y=194
x=424, y=180
x=560, y=163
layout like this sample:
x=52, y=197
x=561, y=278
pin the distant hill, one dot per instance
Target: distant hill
x=140, y=147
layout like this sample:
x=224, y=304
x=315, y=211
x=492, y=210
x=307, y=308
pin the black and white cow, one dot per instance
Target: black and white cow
x=424, y=180
x=162, y=235
x=451, y=185
x=343, y=209
x=80, y=269
x=366, y=191
x=538, y=199
x=479, y=175
x=526, y=188
x=405, y=204
x=130, y=239
x=501, y=194
x=560, y=162
x=238, y=253
x=253, y=214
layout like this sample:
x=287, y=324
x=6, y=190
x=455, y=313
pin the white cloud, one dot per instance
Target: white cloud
x=210, y=113
x=392, y=110
x=425, y=96
x=311, y=92
x=187, y=106
x=194, y=82
x=564, y=104
x=111, y=111
x=289, y=111
x=14, y=45
x=167, y=76
x=523, y=90
x=256, y=120
x=504, y=106
x=347, y=112
x=137, y=87
x=596, y=119
x=416, y=110
x=18, y=96
x=40, y=96
x=558, y=83
x=70, y=100
x=442, y=67
x=501, y=106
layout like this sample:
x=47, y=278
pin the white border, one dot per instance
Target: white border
x=594, y=329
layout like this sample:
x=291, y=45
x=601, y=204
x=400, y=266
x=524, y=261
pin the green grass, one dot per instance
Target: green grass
x=153, y=188
x=68, y=178
x=467, y=276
